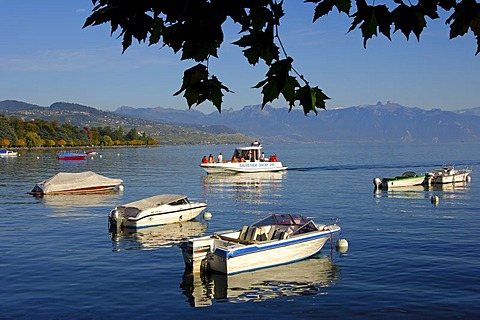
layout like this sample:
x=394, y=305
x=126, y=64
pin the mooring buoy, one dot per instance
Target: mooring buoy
x=342, y=245
x=207, y=215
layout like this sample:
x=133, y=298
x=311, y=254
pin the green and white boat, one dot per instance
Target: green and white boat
x=407, y=179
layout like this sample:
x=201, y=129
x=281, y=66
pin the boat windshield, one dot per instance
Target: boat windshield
x=247, y=153
x=283, y=219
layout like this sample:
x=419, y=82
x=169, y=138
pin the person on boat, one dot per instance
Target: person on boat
x=242, y=159
x=211, y=159
x=262, y=157
x=234, y=159
x=220, y=157
x=204, y=159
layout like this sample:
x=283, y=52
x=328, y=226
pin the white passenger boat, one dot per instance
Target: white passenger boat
x=448, y=174
x=82, y=182
x=275, y=240
x=8, y=154
x=244, y=159
x=153, y=211
x=407, y=179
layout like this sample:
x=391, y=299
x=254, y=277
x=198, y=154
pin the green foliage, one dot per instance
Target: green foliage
x=43, y=133
x=198, y=87
x=195, y=29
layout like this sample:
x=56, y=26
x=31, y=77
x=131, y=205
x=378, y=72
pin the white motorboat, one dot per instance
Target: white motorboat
x=448, y=174
x=407, y=179
x=154, y=211
x=275, y=240
x=82, y=182
x=8, y=154
x=245, y=159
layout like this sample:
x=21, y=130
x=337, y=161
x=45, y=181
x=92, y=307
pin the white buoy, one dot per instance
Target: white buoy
x=207, y=215
x=120, y=188
x=100, y=156
x=91, y=158
x=342, y=245
x=38, y=157
x=434, y=199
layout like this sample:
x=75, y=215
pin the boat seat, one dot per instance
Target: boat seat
x=278, y=234
x=262, y=234
x=243, y=233
x=252, y=234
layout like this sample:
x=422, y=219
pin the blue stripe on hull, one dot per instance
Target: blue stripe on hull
x=258, y=248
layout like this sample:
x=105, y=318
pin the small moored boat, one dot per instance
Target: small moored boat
x=407, y=179
x=448, y=174
x=275, y=240
x=82, y=182
x=8, y=154
x=153, y=211
x=245, y=159
x=71, y=156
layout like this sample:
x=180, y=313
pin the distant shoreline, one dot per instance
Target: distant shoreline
x=81, y=147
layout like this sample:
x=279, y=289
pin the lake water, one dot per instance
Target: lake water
x=406, y=258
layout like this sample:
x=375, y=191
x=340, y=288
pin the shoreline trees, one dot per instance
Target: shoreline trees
x=14, y=132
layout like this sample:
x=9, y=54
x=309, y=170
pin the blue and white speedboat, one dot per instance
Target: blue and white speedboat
x=275, y=240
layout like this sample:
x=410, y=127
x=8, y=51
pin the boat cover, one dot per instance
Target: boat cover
x=154, y=201
x=65, y=181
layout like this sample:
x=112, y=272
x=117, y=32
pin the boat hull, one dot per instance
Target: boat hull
x=402, y=182
x=95, y=189
x=71, y=157
x=243, y=167
x=455, y=178
x=8, y=154
x=266, y=255
x=154, y=217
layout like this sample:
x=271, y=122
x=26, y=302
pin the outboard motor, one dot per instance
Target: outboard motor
x=115, y=220
x=378, y=183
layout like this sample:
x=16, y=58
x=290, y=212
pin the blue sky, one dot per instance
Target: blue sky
x=47, y=57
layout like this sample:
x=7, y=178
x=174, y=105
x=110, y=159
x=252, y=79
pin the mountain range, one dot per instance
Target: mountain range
x=389, y=122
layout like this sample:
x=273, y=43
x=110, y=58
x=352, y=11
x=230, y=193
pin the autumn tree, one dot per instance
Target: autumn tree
x=32, y=140
x=195, y=30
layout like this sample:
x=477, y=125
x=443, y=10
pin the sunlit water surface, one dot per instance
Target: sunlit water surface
x=406, y=258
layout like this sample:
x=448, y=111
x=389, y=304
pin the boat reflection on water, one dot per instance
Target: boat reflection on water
x=450, y=187
x=414, y=192
x=455, y=190
x=447, y=190
x=245, y=186
x=167, y=235
x=79, y=203
x=303, y=278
